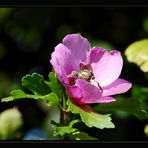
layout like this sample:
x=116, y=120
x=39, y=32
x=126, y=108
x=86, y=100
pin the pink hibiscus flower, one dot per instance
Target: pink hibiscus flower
x=90, y=75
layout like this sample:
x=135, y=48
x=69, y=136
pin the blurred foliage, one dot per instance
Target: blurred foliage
x=10, y=124
x=146, y=130
x=140, y=92
x=100, y=43
x=29, y=35
x=137, y=52
x=130, y=105
x=4, y=14
x=145, y=24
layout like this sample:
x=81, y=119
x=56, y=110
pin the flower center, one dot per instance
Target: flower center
x=85, y=73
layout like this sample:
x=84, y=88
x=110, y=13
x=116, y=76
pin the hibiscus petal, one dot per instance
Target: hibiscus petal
x=108, y=67
x=79, y=47
x=106, y=99
x=60, y=60
x=117, y=87
x=96, y=54
x=74, y=91
x=90, y=93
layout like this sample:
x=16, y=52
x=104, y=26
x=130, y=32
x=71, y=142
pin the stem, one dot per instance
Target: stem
x=65, y=117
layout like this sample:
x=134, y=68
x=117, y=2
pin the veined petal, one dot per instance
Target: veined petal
x=104, y=99
x=96, y=54
x=108, y=68
x=117, y=87
x=90, y=93
x=60, y=60
x=74, y=91
x=79, y=47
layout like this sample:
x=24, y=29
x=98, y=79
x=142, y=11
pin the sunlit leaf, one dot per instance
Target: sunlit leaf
x=137, y=53
x=36, y=84
x=70, y=132
x=79, y=135
x=62, y=130
x=130, y=105
x=51, y=98
x=92, y=119
x=74, y=122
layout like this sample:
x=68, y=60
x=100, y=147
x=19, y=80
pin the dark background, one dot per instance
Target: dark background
x=29, y=35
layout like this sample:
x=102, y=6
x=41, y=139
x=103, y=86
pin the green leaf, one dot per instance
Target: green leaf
x=137, y=53
x=62, y=130
x=10, y=122
x=91, y=119
x=18, y=94
x=131, y=105
x=79, y=135
x=70, y=132
x=55, y=85
x=36, y=84
x=74, y=122
x=52, y=99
